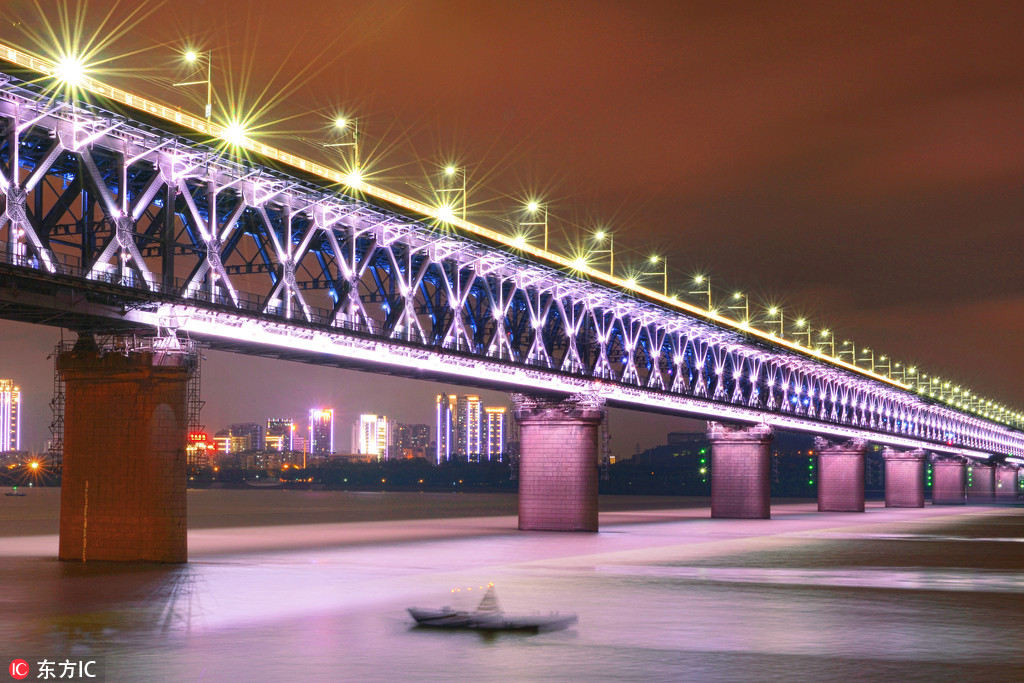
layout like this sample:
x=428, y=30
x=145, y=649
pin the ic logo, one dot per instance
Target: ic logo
x=18, y=669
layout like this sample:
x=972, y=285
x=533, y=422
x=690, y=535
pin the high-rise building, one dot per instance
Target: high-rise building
x=412, y=436
x=371, y=435
x=321, y=431
x=444, y=423
x=280, y=434
x=252, y=433
x=467, y=427
x=494, y=432
x=10, y=416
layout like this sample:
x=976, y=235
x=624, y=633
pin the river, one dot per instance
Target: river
x=313, y=586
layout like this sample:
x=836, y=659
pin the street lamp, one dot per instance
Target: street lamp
x=848, y=348
x=600, y=236
x=653, y=261
x=737, y=297
x=535, y=216
x=704, y=280
x=452, y=188
x=193, y=57
x=869, y=355
x=774, y=311
x=804, y=328
x=344, y=126
x=827, y=338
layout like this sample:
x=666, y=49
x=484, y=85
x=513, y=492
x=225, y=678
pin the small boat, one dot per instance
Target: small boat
x=15, y=492
x=489, y=616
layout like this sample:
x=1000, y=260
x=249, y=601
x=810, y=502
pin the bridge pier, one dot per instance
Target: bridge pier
x=124, y=476
x=981, y=483
x=840, y=475
x=904, y=478
x=558, y=468
x=949, y=480
x=1006, y=483
x=740, y=471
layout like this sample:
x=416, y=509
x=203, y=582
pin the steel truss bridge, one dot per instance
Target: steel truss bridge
x=113, y=223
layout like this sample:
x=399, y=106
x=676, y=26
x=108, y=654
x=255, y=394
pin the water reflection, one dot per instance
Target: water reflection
x=691, y=599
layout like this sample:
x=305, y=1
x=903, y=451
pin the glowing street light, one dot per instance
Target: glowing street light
x=600, y=236
x=445, y=213
x=867, y=354
x=737, y=297
x=70, y=70
x=776, y=317
x=827, y=338
x=804, y=329
x=653, y=261
x=344, y=126
x=848, y=348
x=452, y=189
x=535, y=215
x=705, y=281
x=193, y=57
x=235, y=133
x=579, y=263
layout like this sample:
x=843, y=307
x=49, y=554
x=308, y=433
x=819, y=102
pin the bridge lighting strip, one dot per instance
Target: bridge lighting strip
x=202, y=324
x=49, y=68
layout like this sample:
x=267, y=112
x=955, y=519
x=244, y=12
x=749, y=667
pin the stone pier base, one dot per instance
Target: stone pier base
x=949, y=481
x=124, y=476
x=558, y=462
x=981, y=483
x=1006, y=483
x=840, y=475
x=904, y=478
x=740, y=471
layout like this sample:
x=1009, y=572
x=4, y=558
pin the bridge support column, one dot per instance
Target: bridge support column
x=840, y=475
x=949, y=480
x=123, y=489
x=904, y=478
x=558, y=462
x=1006, y=483
x=740, y=471
x=981, y=483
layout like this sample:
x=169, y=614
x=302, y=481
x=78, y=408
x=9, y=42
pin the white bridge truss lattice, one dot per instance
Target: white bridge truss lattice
x=178, y=235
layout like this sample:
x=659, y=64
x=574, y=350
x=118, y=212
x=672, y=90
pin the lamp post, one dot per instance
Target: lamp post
x=699, y=280
x=600, y=236
x=193, y=57
x=452, y=190
x=653, y=261
x=343, y=126
x=780, y=320
x=848, y=348
x=827, y=338
x=804, y=328
x=868, y=355
x=535, y=215
x=737, y=297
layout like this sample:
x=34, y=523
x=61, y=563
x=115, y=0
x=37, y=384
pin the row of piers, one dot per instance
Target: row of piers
x=130, y=505
x=558, y=470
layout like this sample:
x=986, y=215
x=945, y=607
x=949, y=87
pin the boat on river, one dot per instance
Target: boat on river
x=488, y=616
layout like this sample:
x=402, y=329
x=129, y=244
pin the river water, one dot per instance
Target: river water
x=310, y=586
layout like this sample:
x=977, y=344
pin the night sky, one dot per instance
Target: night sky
x=858, y=163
